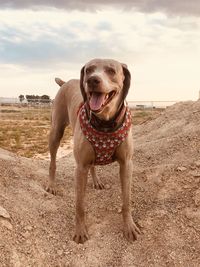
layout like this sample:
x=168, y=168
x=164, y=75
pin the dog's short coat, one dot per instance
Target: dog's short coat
x=103, y=85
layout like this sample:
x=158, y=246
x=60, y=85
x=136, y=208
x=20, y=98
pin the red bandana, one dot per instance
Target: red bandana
x=104, y=143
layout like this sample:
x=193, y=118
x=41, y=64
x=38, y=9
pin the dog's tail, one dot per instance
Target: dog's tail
x=59, y=81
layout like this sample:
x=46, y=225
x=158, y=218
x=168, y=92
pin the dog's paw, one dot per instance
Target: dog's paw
x=81, y=236
x=131, y=231
x=98, y=185
x=51, y=190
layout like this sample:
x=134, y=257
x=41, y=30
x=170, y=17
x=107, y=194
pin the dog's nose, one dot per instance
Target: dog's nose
x=93, y=81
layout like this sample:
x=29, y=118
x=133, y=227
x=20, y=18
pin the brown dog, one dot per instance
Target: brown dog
x=104, y=85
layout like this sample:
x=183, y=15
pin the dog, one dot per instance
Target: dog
x=95, y=108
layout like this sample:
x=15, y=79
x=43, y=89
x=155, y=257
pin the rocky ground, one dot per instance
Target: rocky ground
x=36, y=228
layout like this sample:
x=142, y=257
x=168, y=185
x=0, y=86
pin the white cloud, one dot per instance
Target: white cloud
x=162, y=52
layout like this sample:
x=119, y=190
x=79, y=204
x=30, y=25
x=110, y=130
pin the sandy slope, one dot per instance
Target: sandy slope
x=36, y=228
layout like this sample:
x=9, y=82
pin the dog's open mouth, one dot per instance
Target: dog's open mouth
x=99, y=100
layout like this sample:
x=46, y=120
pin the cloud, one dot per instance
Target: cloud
x=35, y=40
x=161, y=52
x=49, y=38
x=178, y=7
x=42, y=48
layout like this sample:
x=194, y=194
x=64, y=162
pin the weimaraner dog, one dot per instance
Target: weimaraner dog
x=96, y=109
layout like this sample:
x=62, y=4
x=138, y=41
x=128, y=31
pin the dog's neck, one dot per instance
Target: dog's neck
x=107, y=125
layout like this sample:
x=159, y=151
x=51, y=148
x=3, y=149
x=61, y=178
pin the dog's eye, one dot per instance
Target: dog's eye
x=88, y=71
x=111, y=71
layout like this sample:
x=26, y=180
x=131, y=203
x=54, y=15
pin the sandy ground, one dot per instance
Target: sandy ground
x=36, y=228
x=63, y=151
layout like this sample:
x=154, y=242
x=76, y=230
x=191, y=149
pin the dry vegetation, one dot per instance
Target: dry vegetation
x=25, y=130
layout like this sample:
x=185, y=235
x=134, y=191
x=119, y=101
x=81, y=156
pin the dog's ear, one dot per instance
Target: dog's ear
x=127, y=81
x=82, y=84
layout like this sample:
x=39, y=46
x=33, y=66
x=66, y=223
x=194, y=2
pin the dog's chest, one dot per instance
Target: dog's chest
x=104, y=143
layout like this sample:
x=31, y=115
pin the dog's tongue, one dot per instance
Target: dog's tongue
x=96, y=101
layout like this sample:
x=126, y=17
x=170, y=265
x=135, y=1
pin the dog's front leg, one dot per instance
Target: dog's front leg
x=130, y=228
x=81, y=234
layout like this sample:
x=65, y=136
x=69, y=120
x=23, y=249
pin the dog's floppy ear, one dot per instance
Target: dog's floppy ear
x=82, y=84
x=127, y=80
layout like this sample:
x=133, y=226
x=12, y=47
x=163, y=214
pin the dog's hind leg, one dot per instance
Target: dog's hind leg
x=96, y=180
x=55, y=136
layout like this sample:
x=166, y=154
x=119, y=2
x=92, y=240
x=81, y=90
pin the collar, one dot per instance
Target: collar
x=107, y=126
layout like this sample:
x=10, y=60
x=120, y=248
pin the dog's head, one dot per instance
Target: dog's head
x=103, y=83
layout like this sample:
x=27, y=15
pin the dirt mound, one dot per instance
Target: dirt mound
x=36, y=228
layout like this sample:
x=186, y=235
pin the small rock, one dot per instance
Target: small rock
x=28, y=228
x=4, y=213
x=196, y=198
x=181, y=169
x=119, y=211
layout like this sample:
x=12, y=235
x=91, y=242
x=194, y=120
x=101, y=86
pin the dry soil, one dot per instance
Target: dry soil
x=36, y=228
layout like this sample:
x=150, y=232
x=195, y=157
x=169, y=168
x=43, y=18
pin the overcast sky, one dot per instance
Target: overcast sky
x=159, y=40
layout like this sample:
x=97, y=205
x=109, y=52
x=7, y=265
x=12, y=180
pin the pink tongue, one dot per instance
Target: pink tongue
x=96, y=101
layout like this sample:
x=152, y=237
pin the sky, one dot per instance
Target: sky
x=159, y=40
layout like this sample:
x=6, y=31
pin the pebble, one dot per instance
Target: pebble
x=181, y=168
x=4, y=213
x=28, y=228
x=196, y=198
x=119, y=211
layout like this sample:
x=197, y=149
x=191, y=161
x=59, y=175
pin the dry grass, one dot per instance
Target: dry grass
x=142, y=116
x=25, y=130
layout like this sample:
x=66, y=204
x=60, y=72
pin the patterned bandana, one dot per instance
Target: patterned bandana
x=104, y=143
